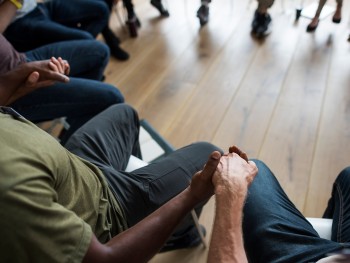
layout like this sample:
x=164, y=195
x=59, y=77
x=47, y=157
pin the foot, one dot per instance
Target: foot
x=133, y=24
x=261, y=24
x=190, y=239
x=158, y=4
x=112, y=42
x=337, y=15
x=203, y=14
x=313, y=25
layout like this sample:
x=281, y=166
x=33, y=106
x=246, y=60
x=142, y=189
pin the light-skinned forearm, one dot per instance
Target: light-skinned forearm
x=141, y=242
x=226, y=245
x=7, y=12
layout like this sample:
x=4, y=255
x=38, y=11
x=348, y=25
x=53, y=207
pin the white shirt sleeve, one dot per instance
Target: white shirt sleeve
x=335, y=259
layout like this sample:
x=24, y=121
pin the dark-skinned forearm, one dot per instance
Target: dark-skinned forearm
x=142, y=241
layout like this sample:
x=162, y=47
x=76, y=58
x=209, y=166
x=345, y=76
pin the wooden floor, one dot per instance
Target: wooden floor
x=284, y=100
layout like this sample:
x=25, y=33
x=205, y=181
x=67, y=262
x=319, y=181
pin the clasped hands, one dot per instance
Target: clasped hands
x=230, y=173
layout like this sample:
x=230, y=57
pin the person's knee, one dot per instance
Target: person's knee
x=127, y=114
x=344, y=177
x=207, y=147
x=112, y=96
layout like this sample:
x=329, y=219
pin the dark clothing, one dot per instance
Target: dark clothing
x=144, y=190
x=58, y=20
x=80, y=99
x=275, y=231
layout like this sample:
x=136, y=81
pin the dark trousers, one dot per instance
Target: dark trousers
x=58, y=20
x=80, y=99
x=275, y=231
x=110, y=138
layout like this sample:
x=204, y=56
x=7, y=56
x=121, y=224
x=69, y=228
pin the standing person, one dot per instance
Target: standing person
x=37, y=24
x=316, y=19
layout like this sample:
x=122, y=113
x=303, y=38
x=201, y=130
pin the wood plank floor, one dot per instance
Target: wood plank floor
x=284, y=100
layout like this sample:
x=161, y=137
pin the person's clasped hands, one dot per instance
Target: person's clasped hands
x=231, y=172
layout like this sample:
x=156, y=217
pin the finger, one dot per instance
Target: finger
x=67, y=67
x=54, y=76
x=45, y=83
x=58, y=64
x=244, y=156
x=53, y=66
x=211, y=165
x=32, y=78
x=234, y=149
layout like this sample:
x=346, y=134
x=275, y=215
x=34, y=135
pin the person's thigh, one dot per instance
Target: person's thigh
x=78, y=100
x=87, y=58
x=339, y=207
x=108, y=139
x=144, y=190
x=36, y=29
x=274, y=229
x=88, y=15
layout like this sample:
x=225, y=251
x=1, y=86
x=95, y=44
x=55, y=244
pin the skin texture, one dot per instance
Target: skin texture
x=7, y=12
x=149, y=235
x=227, y=176
x=31, y=76
x=231, y=181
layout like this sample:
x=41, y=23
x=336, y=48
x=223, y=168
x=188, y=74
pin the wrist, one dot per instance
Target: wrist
x=231, y=191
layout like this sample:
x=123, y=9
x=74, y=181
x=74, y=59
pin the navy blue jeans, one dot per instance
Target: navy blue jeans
x=275, y=231
x=58, y=20
x=80, y=99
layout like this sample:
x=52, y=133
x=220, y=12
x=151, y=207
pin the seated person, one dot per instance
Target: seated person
x=38, y=24
x=78, y=204
x=273, y=228
x=80, y=99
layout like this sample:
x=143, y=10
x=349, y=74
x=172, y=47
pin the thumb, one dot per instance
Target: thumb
x=32, y=78
x=211, y=165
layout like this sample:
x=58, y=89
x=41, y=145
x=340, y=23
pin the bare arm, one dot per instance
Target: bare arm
x=231, y=185
x=30, y=76
x=141, y=242
x=7, y=12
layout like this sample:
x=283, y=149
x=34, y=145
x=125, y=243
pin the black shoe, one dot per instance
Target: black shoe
x=112, y=42
x=203, y=14
x=261, y=24
x=189, y=240
x=158, y=4
x=133, y=24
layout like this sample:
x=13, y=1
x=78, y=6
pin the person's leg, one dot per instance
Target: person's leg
x=273, y=228
x=314, y=22
x=160, y=7
x=87, y=58
x=338, y=207
x=37, y=29
x=144, y=190
x=108, y=139
x=79, y=101
x=337, y=15
x=88, y=15
x=203, y=12
x=262, y=20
